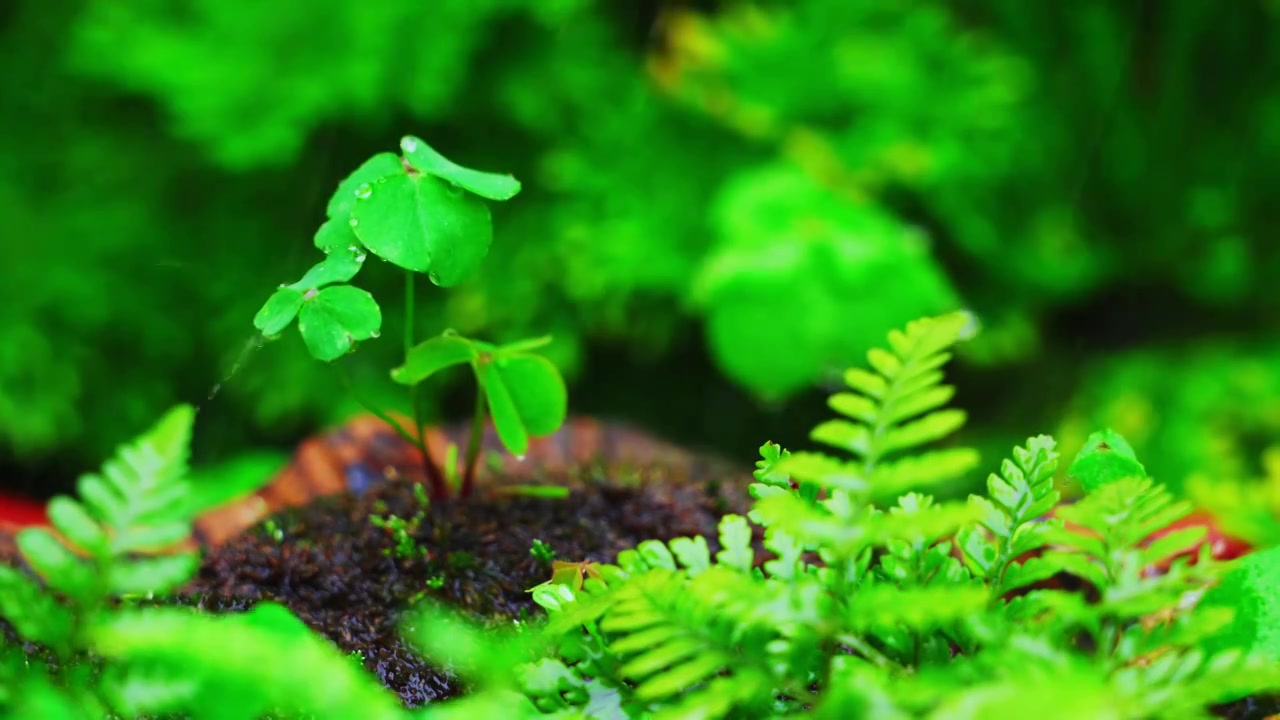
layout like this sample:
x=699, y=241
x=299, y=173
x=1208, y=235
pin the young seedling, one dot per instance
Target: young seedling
x=542, y=552
x=522, y=392
x=402, y=531
x=425, y=214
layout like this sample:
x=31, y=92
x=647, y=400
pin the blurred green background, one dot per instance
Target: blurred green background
x=725, y=203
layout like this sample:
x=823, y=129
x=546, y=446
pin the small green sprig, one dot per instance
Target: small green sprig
x=426, y=214
x=542, y=552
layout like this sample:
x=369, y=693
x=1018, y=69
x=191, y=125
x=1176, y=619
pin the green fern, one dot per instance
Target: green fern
x=896, y=409
x=1010, y=524
x=124, y=511
x=866, y=609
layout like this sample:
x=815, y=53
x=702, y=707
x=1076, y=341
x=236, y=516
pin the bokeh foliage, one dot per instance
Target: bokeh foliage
x=793, y=178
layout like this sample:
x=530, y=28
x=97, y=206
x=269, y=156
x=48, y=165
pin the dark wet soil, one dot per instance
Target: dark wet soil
x=340, y=573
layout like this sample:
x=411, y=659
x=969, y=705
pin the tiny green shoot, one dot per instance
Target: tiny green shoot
x=542, y=552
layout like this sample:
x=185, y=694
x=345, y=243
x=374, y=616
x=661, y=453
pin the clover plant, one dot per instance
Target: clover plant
x=426, y=214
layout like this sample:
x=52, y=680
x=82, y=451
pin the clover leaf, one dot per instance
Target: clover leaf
x=421, y=223
x=333, y=320
x=485, y=184
x=525, y=393
x=526, y=396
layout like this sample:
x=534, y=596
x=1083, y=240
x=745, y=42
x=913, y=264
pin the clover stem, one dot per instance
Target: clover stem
x=345, y=375
x=473, y=445
x=439, y=488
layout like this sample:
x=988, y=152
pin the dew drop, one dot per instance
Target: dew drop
x=520, y=458
x=434, y=276
x=409, y=144
x=354, y=222
x=375, y=335
x=360, y=257
x=364, y=191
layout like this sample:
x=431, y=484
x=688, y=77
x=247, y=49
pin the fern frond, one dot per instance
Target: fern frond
x=131, y=507
x=893, y=409
x=1126, y=511
x=1008, y=525
x=675, y=635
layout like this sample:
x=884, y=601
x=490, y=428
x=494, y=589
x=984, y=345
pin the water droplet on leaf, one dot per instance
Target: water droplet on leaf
x=409, y=144
x=435, y=277
x=354, y=222
x=520, y=458
x=364, y=191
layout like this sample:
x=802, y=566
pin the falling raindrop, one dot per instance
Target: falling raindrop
x=255, y=343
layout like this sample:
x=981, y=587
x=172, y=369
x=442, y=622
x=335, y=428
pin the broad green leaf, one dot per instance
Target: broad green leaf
x=341, y=265
x=336, y=234
x=279, y=310
x=336, y=318
x=33, y=612
x=425, y=159
x=70, y=518
x=431, y=356
x=159, y=574
x=419, y=223
x=502, y=408
x=59, y=567
x=526, y=397
x=379, y=166
x=538, y=391
x=1105, y=458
